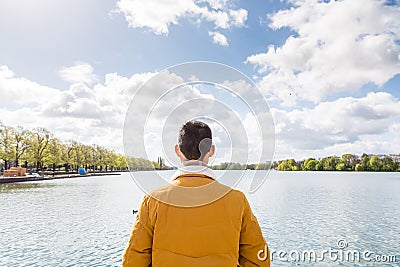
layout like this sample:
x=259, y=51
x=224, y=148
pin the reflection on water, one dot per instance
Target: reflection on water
x=8, y=188
x=86, y=221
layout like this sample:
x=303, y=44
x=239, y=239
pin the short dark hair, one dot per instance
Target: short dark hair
x=190, y=136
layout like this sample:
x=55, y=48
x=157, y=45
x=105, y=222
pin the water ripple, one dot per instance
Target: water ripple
x=87, y=221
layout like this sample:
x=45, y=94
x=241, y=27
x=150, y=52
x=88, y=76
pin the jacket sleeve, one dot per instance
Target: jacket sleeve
x=138, y=250
x=253, y=250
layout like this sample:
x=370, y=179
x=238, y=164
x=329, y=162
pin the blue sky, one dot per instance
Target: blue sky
x=330, y=70
x=40, y=38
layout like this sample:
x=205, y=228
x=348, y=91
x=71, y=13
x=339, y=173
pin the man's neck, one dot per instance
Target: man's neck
x=194, y=163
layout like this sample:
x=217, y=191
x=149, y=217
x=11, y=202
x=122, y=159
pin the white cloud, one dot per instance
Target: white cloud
x=96, y=114
x=218, y=38
x=87, y=114
x=239, y=17
x=217, y=106
x=339, y=46
x=18, y=91
x=157, y=16
x=215, y=4
x=346, y=125
x=79, y=102
x=79, y=72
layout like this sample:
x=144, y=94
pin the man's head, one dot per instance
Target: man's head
x=195, y=142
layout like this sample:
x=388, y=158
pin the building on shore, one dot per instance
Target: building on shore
x=15, y=171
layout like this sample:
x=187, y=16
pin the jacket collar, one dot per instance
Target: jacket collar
x=194, y=167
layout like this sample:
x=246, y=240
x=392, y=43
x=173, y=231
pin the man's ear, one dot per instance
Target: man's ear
x=212, y=151
x=179, y=153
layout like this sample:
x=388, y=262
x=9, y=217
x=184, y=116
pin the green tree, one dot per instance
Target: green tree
x=121, y=162
x=6, y=145
x=333, y=161
x=39, y=142
x=388, y=164
x=78, y=154
x=266, y=165
x=396, y=159
x=160, y=163
x=110, y=160
x=349, y=161
x=101, y=157
x=310, y=165
x=328, y=163
x=54, y=157
x=67, y=154
x=95, y=160
x=359, y=167
x=365, y=162
x=20, y=143
x=287, y=165
x=375, y=164
x=235, y=166
x=340, y=166
x=87, y=154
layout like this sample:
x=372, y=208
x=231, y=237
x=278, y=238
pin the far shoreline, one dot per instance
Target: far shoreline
x=19, y=179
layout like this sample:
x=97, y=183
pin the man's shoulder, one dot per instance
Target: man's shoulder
x=176, y=195
x=237, y=195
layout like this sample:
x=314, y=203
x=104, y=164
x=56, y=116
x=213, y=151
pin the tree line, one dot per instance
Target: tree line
x=38, y=149
x=239, y=166
x=347, y=162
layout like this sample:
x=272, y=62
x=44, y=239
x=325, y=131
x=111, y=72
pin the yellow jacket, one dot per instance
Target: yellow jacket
x=221, y=233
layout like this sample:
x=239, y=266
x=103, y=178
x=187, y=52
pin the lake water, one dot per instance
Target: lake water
x=87, y=221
